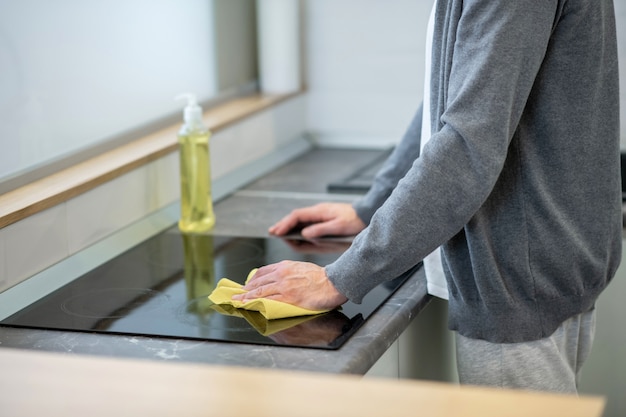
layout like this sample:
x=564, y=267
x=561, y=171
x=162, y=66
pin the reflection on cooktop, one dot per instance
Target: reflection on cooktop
x=159, y=288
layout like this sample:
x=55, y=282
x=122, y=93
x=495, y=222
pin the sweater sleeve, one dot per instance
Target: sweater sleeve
x=488, y=53
x=394, y=168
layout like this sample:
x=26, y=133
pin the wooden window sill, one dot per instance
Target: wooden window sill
x=47, y=192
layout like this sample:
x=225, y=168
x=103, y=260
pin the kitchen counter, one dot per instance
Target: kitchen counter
x=36, y=383
x=248, y=211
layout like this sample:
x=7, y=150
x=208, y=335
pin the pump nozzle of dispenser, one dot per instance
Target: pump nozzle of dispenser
x=193, y=112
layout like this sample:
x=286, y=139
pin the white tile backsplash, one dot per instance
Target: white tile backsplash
x=289, y=120
x=107, y=208
x=35, y=243
x=162, y=181
x=221, y=159
x=256, y=137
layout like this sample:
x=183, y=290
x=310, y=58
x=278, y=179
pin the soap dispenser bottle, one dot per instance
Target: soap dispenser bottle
x=196, y=206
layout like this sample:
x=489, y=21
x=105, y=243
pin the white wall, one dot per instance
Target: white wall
x=58, y=60
x=364, y=67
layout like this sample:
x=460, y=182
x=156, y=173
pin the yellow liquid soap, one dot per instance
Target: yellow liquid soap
x=195, y=180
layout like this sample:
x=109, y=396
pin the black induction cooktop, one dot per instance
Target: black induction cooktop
x=159, y=288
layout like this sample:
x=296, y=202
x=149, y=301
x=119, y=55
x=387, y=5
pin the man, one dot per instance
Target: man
x=518, y=181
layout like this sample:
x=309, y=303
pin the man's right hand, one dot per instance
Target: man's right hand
x=324, y=219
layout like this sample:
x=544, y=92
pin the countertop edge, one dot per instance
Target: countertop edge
x=63, y=386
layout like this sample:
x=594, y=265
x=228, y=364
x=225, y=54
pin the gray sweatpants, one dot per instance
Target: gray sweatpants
x=550, y=364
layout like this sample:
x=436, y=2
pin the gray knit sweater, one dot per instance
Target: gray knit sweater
x=520, y=181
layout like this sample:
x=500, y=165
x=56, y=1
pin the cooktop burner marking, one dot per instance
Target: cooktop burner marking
x=104, y=303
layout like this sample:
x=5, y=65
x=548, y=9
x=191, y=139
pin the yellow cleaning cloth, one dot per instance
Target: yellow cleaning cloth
x=270, y=309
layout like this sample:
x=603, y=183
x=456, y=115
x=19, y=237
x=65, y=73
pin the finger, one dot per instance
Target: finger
x=291, y=221
x=312, y=214
x=266, y=278
x=284, y=225
x=316, y=230
x=255, y=282
x=328, y=228
x=260, y=273
x=263, y=291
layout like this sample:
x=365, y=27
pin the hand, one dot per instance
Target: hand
x=339, y=219
x=299, y=283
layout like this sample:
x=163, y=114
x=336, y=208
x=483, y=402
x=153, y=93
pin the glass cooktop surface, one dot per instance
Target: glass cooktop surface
x=159, y=288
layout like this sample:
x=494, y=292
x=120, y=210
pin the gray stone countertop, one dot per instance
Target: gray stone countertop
x=249, y=211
